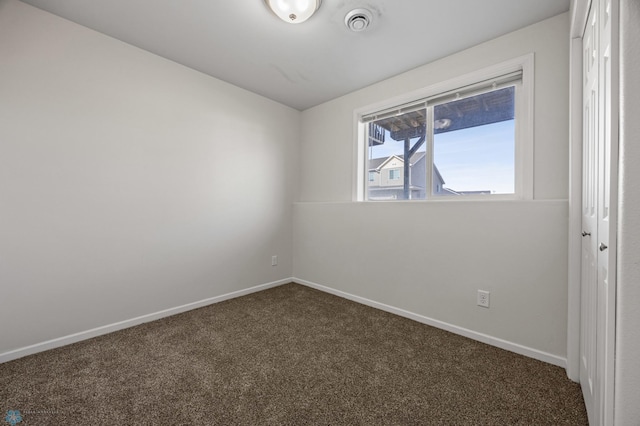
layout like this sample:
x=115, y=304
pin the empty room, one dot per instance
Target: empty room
x=299, y=212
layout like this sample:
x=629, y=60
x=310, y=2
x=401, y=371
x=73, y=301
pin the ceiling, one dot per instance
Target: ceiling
x=302, y=65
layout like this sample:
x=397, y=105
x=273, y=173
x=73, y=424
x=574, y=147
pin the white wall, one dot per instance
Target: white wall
x=517, y=250
x=627, y=381
x=129, y=184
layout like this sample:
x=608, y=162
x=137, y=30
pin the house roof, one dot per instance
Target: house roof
x=378, y=163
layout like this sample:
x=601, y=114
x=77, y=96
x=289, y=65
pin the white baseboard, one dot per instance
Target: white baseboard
x=99, y=331
x=484, y=338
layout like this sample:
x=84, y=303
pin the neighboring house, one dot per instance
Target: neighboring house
x=386, y=178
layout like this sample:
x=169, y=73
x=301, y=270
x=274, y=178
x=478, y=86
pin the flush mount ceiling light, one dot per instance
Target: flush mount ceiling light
x=293, y=11
x=358, y=19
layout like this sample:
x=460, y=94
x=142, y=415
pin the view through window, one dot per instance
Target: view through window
x=453, y=146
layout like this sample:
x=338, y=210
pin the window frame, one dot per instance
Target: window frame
x=523, y=135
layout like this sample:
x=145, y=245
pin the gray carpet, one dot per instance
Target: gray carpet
x=286, y=356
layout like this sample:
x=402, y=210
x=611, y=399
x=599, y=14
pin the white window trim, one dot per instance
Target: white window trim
x=524, y=129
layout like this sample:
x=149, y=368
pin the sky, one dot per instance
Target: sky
x=475, y=159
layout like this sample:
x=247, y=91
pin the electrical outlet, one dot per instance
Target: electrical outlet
x=483, y=298
x=274, y=260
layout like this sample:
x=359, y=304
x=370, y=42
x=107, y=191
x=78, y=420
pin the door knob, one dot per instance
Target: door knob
x=584, y=233
x=603, y=247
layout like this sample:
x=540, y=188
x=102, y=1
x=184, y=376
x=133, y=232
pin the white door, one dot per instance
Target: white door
x=600, y=133
x=589, y=280
x=607, y=207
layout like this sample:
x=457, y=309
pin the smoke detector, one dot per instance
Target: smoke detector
x=358, y=20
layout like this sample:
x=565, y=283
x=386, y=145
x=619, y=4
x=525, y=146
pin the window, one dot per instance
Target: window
x=469, y=139
x=372, y=176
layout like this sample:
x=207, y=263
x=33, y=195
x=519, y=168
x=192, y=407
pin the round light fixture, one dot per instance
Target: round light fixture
x=293, y=11
x=358, y=20
x=442, y=124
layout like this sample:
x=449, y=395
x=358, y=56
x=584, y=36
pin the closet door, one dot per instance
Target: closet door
x=589, y=279
x=607, y=206
x=599, y=212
